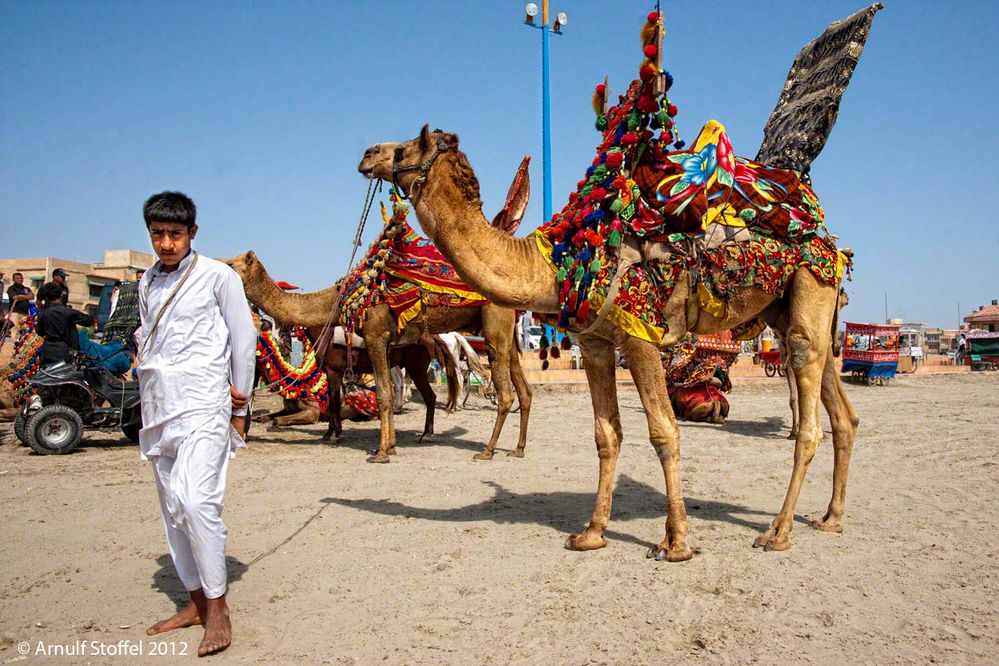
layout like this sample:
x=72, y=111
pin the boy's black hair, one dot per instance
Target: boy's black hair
x=16, y=273
x=170, y=207
x=49, y=292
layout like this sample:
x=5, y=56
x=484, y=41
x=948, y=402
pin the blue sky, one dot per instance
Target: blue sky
x=261, y=111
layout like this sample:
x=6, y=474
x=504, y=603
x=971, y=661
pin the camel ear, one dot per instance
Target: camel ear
x=508, y=219
x=425, y=137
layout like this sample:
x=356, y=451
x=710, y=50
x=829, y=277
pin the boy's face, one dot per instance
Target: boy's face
x=18, y=278
x=171, y=241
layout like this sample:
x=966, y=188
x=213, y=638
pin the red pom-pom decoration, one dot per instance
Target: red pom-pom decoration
x=650, y=51
x=573, y=196
x=601, y=88
x=597, y=194
x=653, y=17
x=614, y=160
x=647, y=104
x=629, y=139
x=647, y=71
x=672, y=110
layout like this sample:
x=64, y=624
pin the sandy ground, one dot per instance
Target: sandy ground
x=437, y=559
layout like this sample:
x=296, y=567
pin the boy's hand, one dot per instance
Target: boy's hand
x=239, y=425
x=238, y=399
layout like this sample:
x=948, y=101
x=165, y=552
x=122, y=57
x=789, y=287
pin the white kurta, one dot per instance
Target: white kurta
x=204, y=342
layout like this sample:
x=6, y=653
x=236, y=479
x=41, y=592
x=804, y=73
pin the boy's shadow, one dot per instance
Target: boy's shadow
x=165, y=579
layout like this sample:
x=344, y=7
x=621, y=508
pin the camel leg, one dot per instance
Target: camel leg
x=598, y=355
x=808, y=345
x=335, y=382
x=844, y=427
x=647, y=371
x=378, y=353
x=524, y=397
x=498, y=332
x=792, y=398
x=417, y=363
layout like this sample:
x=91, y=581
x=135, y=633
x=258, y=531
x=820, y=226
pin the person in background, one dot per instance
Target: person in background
x=57, y=325
x=20, y=299
x=59, y=277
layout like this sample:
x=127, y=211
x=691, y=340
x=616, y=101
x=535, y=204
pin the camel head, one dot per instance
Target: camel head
x=246, y=265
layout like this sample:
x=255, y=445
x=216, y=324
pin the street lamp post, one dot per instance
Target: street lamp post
x=546, y=131
x=561, y=19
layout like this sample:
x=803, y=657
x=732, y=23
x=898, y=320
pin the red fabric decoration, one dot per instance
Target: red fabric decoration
x=672, y=110
x=653, y=17
x=650, y=51
x=584, y=310
x=286, y=286
x=629, y=139
x=614, y=160
x=647, y=71
x=601, y=88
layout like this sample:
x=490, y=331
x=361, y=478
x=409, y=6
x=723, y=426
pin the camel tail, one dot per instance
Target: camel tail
x=471, y=355
x=443, y=356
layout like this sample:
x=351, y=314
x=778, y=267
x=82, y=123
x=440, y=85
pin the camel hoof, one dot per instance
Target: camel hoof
x=769, y=541
x=826, y=525
x=584, y=541
x=674, y=554
x=519, y=453
x=483, y=455
x=378, y=458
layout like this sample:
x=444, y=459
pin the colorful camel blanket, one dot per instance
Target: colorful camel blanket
x=697, y=358
x=406, y=272
x=637, y=187
x=306, y=382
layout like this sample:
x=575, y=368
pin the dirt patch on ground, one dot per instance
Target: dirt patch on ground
x=435, y=558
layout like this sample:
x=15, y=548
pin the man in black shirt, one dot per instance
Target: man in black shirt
x=59, y=277
x=57, y=325
x=20, y=299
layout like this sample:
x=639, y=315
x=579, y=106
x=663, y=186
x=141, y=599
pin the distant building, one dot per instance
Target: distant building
x=985, y=318
x=85, y=280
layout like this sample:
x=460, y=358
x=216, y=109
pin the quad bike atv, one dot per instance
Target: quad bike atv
x=67, y=400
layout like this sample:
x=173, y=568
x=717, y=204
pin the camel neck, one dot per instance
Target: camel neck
x=310, y=310
x=508, y=271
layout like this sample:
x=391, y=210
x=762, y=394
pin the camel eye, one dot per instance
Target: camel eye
x=398, y=153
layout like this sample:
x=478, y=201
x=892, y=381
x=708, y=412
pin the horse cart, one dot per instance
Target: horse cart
x=983, y=350
x=870, y=355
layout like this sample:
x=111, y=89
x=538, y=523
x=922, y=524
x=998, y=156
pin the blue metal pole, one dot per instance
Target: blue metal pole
x=546, y=130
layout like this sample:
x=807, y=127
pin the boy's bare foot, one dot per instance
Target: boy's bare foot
x=218, y=629
x=188, y=616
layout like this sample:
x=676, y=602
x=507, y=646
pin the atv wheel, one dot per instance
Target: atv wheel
x=132, y=428
x=20, y=425
x=55, y=429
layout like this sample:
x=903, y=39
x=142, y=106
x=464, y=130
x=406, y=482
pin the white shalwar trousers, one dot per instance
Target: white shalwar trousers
x=190, y=488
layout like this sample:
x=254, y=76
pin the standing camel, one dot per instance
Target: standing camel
x=385, y=347
x=515, y=273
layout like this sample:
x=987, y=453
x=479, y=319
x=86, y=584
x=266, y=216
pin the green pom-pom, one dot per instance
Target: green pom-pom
x=634, y=121
x=747, y=214
x=561, y=274
x=585, y=191
x=601, y=122
x=616, y=205
x=614, y=240
x=600, y=172
x=580, y=272
x=595, y=266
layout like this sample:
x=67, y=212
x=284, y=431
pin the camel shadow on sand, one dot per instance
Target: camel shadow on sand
x=562, y=510
x=366, y=439
x=771, y=427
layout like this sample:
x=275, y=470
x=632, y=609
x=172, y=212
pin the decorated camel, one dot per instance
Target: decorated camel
x=311, y=311
x=657, y=243
x=408, y=349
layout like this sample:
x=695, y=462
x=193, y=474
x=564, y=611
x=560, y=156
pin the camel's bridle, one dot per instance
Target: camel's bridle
x=423, y=167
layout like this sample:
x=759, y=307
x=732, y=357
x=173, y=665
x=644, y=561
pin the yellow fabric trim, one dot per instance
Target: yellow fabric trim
x=842, y=261
x=545, y=248
x=437, y=289
x=714, y=306
x=409, y=315
x=627, y=322
x=385, y=215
